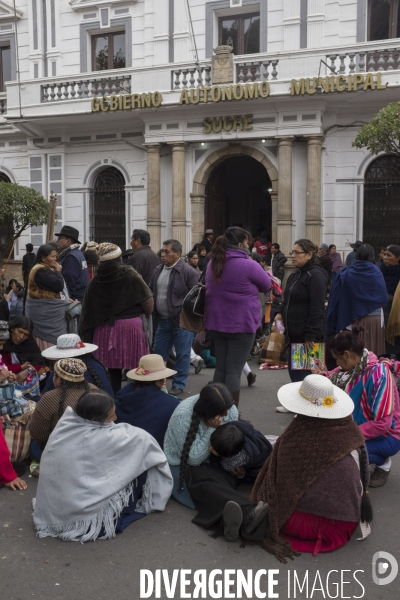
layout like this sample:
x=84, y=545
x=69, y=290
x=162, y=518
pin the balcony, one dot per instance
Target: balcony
x=3, y=103
x=44, y=97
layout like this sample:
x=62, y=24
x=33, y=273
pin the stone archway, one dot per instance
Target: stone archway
x=198, y=195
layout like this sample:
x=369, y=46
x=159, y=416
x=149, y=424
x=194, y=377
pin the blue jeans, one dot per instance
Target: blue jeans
x=379, y=449
x=168, y=336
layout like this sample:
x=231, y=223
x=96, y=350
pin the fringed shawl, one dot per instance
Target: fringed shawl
x=87, y=473
x=306, y=449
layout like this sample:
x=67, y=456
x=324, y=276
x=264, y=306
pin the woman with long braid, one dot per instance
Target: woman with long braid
x=187, y=440
x=70, y=345
x=70, y=385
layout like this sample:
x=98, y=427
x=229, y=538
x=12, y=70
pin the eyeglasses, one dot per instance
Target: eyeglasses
x=296, y=252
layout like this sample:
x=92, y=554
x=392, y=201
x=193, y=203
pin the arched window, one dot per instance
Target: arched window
x=382, y=202
x=5, y=178
x=107, y=208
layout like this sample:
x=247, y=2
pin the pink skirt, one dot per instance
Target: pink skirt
x=43, y=345
x=121, y=345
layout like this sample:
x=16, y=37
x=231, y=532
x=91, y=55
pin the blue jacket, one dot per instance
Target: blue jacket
x=75, y=273
x=100, y=371
x=148, y=408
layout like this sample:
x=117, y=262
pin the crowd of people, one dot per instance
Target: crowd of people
x=107, y=454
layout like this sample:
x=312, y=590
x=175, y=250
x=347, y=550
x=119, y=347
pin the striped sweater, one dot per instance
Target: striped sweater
x=375, y=396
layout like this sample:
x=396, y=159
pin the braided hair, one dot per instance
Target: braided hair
x=214, y=400
x=65, y=386
x=97, y=381
x=366, y=507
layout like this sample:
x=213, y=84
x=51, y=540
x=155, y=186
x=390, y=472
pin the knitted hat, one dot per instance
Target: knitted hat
x=316, y=396
x=108, y=251
x=69, y=345
x=71, y=369
x=151, y=368
x=4, y=333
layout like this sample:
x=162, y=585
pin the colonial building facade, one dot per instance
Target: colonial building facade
x=179, y=115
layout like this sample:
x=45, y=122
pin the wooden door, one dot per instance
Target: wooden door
x=216, y=206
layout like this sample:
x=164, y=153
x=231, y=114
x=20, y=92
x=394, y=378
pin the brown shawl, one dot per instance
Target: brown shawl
x=306, y=449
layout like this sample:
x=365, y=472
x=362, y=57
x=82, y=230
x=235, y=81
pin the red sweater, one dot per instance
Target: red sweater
x=14, y=367
x=7, y=473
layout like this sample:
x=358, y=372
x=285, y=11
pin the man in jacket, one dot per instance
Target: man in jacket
x=324, y=258
x=278, y=261
x=74, y=267
x=143, y=260
x=170, y=282
x=28, y=260
x=208, y=240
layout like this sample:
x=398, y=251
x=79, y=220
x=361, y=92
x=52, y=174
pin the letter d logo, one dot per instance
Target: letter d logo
x=380, y=568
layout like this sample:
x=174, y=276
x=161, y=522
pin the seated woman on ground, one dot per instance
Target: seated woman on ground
x=142, y=403
x=239, y=449
x=315, y=481
x=70, y=385
x=70, y=345
x=22, y=354
x=9, y=477
x=97, y=477
x=370, y=384
x=187, y=440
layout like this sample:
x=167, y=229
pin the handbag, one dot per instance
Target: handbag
x=9, y=405
x=194, y=303
x=191, y=323
x=17, y=437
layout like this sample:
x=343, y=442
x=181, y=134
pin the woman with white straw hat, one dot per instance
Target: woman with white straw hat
x=70, y=385
x=142, y=403
x=70, y=345
x=315, y=482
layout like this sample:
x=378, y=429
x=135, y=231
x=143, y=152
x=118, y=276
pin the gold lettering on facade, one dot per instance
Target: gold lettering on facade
x=235, y=123
x=337, y=83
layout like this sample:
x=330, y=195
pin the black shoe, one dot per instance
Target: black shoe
x=254, y=517
x=175, y=391
x=251, y=379
x=198, y=367
x=233, y=518
x=378, y=477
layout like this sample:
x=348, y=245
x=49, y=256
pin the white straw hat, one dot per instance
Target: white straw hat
x=69, y=345
x=151, y=368
x=317, y=397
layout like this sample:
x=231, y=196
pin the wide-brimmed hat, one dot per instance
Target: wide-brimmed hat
x=4, y=331
x=71, y=369
x=151, y=368
x=69, y=231
x=68, y=346
x=356, y=245
x=317, y=397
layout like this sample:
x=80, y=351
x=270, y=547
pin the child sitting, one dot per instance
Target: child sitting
x=239, y=449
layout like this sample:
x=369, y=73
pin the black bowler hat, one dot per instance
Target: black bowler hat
x=70, y=232
x=356, y=245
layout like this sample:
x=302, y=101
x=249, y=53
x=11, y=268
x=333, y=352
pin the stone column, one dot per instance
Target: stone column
x=314, y=188
x=153, y=195
x=285, y=221
x=179, y=193
x=274, y=216
x=198, y=204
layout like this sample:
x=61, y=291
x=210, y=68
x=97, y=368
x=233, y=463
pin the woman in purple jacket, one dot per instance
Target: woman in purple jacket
x=233, y=310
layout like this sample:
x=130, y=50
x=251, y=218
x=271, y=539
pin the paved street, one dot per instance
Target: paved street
x=50, y=569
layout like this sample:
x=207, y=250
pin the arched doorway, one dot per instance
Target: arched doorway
x=5, y=178
x=238, y=193
x=107, y=207
x=381, y=224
